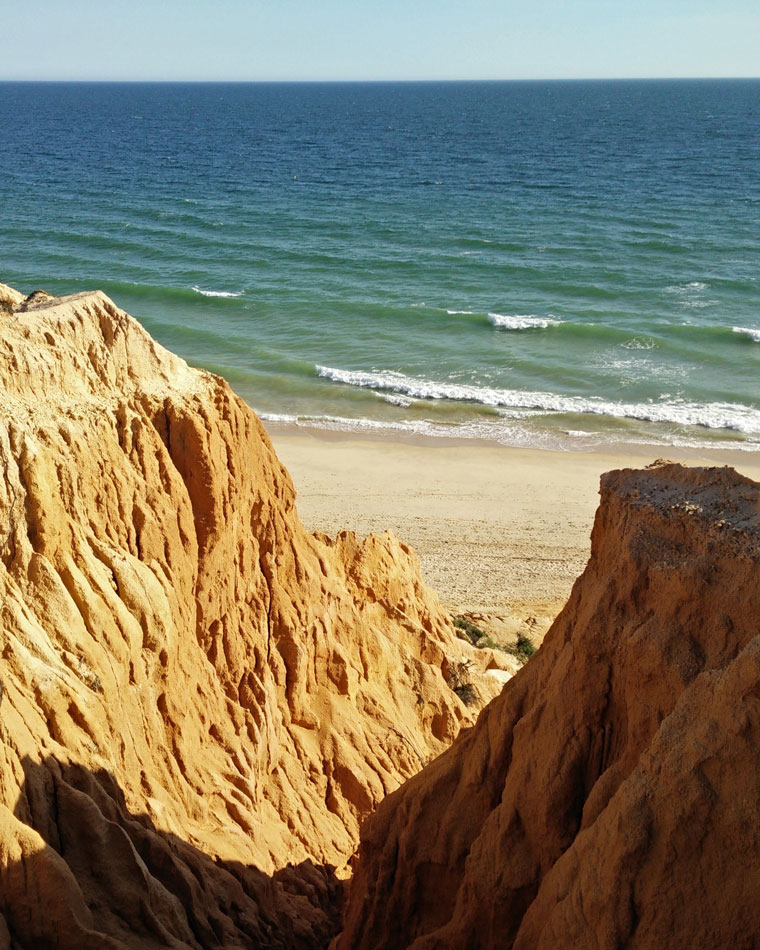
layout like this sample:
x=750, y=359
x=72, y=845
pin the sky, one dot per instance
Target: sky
x=378, y=39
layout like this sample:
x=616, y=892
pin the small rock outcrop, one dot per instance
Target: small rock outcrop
x=609, y=797
x=200, y=701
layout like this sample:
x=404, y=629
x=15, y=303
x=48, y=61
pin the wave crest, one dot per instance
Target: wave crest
x=521, y=321
x=217, y=293
x=752, y=332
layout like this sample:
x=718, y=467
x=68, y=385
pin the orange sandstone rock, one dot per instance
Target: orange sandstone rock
x=200, y=701
x=610, y=796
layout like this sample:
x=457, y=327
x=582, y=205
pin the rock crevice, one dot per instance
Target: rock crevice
x=608, y=796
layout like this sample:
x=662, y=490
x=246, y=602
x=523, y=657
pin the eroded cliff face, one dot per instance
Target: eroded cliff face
x=200, y=701
x=610, y=796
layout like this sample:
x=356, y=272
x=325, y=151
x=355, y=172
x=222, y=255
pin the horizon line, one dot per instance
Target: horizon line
x=379, y=81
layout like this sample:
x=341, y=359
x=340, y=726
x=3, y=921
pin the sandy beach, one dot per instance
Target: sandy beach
x=501, y=533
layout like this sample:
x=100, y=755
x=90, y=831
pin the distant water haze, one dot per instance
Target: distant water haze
x=562, y=264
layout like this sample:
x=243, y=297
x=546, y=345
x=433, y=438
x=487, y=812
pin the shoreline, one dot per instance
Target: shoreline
x=708, y=454
x=501, y=532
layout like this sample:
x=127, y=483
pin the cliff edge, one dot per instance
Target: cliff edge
x=199, y=700
x=609, y=797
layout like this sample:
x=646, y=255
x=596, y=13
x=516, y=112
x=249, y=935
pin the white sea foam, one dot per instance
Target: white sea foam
x=513, y=321
x=691, y=295
x=513, y=412
x=217, y=293
x=502, y=432
x=494, y=432
x=639, y=343
x=631, y=369
x=752, y=332
x=279, y=417
x=681, y=289
x=521, y=321
x=716, y=415
x=396, y=400
x=345, y=423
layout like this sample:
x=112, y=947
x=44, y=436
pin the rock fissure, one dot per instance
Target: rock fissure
x=637, y=690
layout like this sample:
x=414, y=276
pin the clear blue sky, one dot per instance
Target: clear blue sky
x=384, y=39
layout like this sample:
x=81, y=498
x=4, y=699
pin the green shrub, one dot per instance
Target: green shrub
x=467, y=694
x=466, y=630
x=523, y=650
x=525, y=647
x=490, y=643
x=459, y=681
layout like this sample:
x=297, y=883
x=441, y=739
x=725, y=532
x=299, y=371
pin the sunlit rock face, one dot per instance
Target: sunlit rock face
x=200, y=700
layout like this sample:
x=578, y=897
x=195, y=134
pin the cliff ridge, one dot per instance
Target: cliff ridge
x=200, y=700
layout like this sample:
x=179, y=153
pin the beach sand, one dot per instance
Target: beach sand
x=501, y=533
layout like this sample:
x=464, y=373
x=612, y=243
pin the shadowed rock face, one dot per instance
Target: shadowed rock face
x=610, y=796
x=194, y=689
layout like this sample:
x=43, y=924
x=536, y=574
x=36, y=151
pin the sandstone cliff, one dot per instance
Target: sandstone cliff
x=199, y=700
x=610, y=796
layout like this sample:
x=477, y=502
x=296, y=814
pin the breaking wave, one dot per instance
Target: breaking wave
x=715, y=415
x=751, y=332
x=217, y=293
x=521, y=321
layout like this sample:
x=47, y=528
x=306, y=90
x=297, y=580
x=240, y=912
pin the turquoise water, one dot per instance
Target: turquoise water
x=556, y=264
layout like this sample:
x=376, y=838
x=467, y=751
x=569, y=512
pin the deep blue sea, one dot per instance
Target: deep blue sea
x=544, y=263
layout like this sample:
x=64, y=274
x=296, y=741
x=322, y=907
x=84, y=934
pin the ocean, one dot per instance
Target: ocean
x=554, y=264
